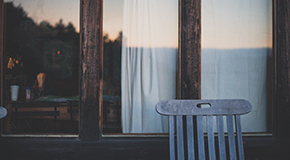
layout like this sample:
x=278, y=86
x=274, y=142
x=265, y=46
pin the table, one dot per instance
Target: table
x=28, y=113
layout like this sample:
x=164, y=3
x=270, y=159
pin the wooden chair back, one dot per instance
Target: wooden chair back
x=3, y=112
x=183, y=114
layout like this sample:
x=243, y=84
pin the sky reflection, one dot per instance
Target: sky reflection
x=51, y=10
x=225, y=24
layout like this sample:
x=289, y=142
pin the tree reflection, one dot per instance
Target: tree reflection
x=112, y=65
x=43, y=47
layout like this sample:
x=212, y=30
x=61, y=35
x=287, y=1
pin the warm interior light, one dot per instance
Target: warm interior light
x=58, y=52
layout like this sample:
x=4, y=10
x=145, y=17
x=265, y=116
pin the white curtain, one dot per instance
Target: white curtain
x=148, y=66
x=236, y=44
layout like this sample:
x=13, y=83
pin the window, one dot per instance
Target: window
x=236, y=51
x=188, y=81
x=188, y=87
x=41, y=66
x=236, y=56
x=139, y=64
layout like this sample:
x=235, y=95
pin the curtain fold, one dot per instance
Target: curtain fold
x=145, y=65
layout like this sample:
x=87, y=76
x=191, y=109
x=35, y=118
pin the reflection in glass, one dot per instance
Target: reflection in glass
x=236, y=56
x=41, y=46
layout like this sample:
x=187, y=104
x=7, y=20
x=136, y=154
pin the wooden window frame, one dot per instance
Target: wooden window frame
x=189, y=50
x=189, y=62
x=189, y=54
x=90, y=143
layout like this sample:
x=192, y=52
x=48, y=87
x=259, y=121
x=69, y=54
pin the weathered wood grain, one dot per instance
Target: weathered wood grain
x=189, y=49
x=282, y=65
x=171, y=137
x=91, y=70
x=200, y=138
x=180, y=139
x=229, y=108
x=190, y=107
x=221, y=138
x=190, y=138
x=239, y=137
x=210, y=138
x=1, y=49
x=231, y=137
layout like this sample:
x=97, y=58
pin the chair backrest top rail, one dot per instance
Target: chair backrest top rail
x=192, y=107
x=3, y=112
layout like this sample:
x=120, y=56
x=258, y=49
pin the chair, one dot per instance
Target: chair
x=186, y=113
x=73, y=108
x=28, y=111
x=3, y=112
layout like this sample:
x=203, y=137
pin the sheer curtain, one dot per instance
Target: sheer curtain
x=148, y=66
x=236, y=45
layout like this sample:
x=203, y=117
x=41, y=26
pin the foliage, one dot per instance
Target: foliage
x=43, y=47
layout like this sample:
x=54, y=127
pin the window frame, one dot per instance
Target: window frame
x=90, y=143
x=3, y=65
x=91, y=64
x=90, y=102
x=189, y=50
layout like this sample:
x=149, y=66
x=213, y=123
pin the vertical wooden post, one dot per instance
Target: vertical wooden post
x=1, y=57
x=282, y=66
x=91, y=70
x=189, y=49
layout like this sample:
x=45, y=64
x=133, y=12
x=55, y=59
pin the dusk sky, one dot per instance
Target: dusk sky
x=113, y=17
x=168, y=19
x=225, y=24
x=51, y=10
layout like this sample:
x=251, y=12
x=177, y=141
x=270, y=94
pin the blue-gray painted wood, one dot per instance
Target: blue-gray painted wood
x=179, y=134
x=171, y=138
x=221, y=137
x=219, y=108
x=239, y=138
x=231, y=138
x=210, y=137
x=190, y=107
x=190, y=137
x=200, y=137
x=3, y=112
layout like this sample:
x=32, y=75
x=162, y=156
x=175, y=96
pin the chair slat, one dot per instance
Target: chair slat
x=179, y=129
x=240, y=138
x=221, y=138
x=171, y=138
x=193, y=109
x=200, y=137
x=210, y=136
x=231, y=138
x=190, y=137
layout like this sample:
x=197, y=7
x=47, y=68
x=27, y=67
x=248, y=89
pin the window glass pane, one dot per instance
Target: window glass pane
x=140, y=47
x=41, y=58
x=236, y=58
